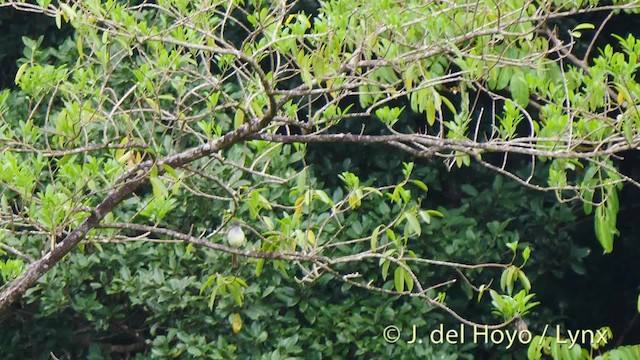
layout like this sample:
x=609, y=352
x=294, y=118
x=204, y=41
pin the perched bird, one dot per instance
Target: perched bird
x=236, y=239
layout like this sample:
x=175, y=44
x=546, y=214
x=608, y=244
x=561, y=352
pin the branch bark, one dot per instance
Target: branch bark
x=522, y=146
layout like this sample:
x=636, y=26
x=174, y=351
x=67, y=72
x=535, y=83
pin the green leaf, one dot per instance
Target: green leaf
x=419, y=184
x=374, y=238
x=431, y=112
x=365, y=98
x=604, y=233
x=526, y=253
x=534, y=352
x=576, y=352
x=424, y=215
x=58, y=18
x=169, y=170
x=587, y=205
x=256, y=109
x=469, y=190
x=498, y=301
x=503, y=279
x=481, y=291
x=238, y=119
x=612, y=201
x=68, y=11
x=408, y=280
x=159, y=189
x=511, y=278
x=323, y=197
x=526, y=283
x=503, y=78
x=449, y=105
x=435, y=213
x=564, y=350
x=520, y=89
x=584, y=26
x=236, y=293
x=301, y=181
x=385, y=269
x=259, y=266
x=508, y=278
x=413, y=223
x=398, y=279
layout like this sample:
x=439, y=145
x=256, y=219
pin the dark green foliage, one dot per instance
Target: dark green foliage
x=13, y=26
x=148, y=294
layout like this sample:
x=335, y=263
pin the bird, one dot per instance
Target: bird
x=236, y=239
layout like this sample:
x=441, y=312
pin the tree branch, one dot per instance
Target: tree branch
x=615, y=145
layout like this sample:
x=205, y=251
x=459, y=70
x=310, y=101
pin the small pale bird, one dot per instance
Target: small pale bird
x=236, y=239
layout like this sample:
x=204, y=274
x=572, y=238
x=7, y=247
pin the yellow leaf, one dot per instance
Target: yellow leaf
x=153, y=104
x=620, y=98
x=79, y=46
x=291, y=17
x=311, y=237
x=135, y=159
x=20, y=72
x=354, y=201
x=121, y=152
x=329, y=83
x=123, y=156
x=236, y=322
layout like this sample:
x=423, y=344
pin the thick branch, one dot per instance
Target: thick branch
x=615, y=145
